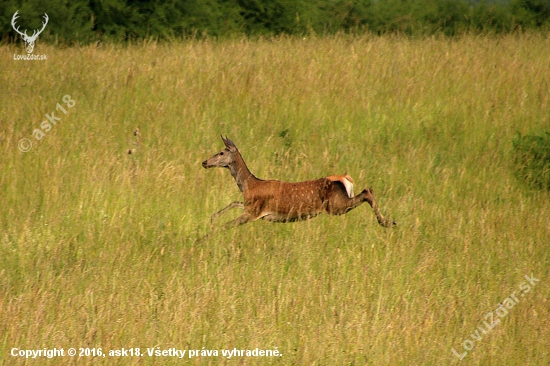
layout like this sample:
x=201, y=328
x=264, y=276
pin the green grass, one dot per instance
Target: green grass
x=99, y=248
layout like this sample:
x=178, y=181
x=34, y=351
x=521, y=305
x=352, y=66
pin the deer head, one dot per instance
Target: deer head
x=224, y=158
x=29, y=40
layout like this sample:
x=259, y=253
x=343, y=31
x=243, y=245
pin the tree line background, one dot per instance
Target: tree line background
x=84, y=21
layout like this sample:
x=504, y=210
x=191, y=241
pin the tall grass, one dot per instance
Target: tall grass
x=98, y=247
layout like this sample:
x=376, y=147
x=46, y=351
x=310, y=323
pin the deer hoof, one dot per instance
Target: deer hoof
x=389, y=223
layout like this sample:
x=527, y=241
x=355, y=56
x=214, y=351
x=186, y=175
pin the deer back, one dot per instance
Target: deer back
x=291, y=200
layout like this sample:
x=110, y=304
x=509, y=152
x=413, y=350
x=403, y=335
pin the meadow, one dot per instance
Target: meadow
x=101, y=225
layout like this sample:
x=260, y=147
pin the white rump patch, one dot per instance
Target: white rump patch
x=349, y=185
x=346, y=180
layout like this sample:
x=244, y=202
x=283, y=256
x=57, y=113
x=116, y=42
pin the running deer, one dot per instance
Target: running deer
x=277, y=201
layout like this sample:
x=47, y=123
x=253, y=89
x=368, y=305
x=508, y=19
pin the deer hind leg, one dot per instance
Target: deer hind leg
x=339, y=203
x=383, y=221
x=224, y=210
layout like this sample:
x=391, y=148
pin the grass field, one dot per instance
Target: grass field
x=99, y=248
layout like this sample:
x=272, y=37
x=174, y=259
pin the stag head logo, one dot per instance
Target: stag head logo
x=29, y=40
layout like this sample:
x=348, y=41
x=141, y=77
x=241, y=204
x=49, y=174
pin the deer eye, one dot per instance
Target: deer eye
x=221, y=153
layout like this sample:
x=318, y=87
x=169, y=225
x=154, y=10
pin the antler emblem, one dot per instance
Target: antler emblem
x=29, y=40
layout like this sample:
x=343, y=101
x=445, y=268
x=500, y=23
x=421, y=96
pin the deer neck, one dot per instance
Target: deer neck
x=244, y=178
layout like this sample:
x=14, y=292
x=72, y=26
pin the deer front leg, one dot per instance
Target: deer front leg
x=241, y=220
x=238, y=221
x=224, y=210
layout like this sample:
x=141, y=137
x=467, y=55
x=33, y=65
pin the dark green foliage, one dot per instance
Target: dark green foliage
x=530, y=13
x=121, y=20
x=532, y=159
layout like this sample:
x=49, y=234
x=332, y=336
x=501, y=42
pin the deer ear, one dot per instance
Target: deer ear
x=229, y=144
